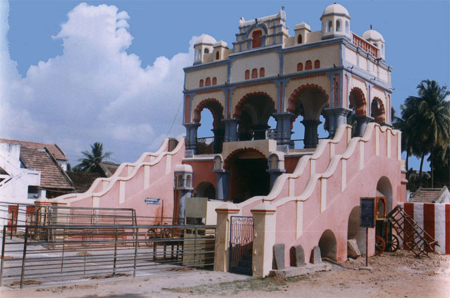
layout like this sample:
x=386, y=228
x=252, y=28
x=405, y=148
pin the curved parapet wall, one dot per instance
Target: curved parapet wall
x=151, y=176
x=314, y=205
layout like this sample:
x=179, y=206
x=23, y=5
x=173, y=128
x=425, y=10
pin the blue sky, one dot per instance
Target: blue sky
x=124, y=87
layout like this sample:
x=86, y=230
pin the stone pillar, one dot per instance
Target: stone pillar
x=191, y=137
x=218, y=139
x=283, y=128
x=311, y=138
x=362, y=120
x=259, y=131
x=231, y=129
x=222, y=184
x=222, y=255
x=264, y=239
x=336, y=117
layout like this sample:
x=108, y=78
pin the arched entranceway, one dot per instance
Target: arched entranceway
x=384, y=188
x=308, y=101
x=205, y=190
x=328, y=245
x=248, y=174
x=204, y=145
x=357, y=102
x=354, y=230
x=254, y=111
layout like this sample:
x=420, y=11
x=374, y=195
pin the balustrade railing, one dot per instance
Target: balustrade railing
x=366, y=46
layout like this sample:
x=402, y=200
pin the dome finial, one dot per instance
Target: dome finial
x=370, y=26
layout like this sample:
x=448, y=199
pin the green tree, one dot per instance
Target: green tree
x=90, y=163
x=427, y=121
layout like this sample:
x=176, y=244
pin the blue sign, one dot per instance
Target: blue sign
x=152, y=201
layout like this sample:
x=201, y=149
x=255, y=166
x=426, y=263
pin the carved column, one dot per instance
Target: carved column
x=311, y=138
x=231, y=129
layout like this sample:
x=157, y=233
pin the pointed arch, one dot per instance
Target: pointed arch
x=378, y=110
x=214, y=106
x=241, y=103
x=357, y=101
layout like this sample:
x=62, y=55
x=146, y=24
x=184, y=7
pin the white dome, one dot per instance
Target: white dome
x=206, y=39
x=221, y=43
x=372, y=35
x=335, y=9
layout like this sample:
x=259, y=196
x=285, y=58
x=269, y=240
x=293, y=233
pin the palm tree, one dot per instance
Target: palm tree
x=427, y=120
x=92, y=160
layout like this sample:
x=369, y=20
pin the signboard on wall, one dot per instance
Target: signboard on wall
x=368, y=212
x=152, y=201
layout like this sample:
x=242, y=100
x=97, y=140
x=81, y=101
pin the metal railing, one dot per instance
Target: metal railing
x=80, y=251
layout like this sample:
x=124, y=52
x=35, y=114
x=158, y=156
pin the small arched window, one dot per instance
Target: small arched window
x=197, y=54
x=338, y=26
x=206, y=51
x=254, y=73
x=316, y=64
x=330, y=26
x=308, y=65
x=262, y=72
x=214, y=82
x=208, y=82
x=217, y=55
x=300, y=67
x=201, y=83
x=299, y=39
x=347, y=27
x=247, y=74
x=256, y=39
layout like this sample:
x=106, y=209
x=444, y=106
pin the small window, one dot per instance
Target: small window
x=330, y=26
x=208, y=81
x=197, y=54
x=262, y=72
x=214, y=82
x=300, y=67
x=347, y=27
x=338, y=26
x=206, y=51
x=247, y=74
x=256, y=39
x=254, y=73
x=201, y=83
x=217, y=55
x=375, y=44
x=308, y=65
x=316, y=64
x=299, y=39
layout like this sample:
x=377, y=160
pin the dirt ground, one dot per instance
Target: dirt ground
x=397, y=274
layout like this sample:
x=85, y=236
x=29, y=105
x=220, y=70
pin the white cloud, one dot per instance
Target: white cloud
x=94, y=91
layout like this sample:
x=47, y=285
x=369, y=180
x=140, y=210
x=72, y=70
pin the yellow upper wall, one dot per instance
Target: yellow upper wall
x=270, y=62
x=193, y=77
x=326, y=55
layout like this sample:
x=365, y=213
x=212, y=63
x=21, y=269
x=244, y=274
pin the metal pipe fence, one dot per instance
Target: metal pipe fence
x=101, y=251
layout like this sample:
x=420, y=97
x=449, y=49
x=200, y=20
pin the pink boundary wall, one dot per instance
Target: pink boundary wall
x=151, y=176
x=434, y=219
x=325, y=187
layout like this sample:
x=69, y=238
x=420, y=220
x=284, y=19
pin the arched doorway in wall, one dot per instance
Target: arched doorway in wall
x=328, y=245
x=307, y=103
x=209, y=113
x=254, y=111
x=358, y=118
x=248, y=174
x=384, y=189
x=354, y=230
x=205, y=190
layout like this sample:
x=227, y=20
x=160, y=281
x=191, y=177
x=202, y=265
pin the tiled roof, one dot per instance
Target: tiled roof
x=54, y=149
x=427, y=195
x=52, y=176
x=82, y=181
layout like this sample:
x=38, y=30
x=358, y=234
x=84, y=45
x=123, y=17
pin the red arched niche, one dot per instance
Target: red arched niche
x=214, y=106
x=358, y=101
x=297, y=92
x=378, y=111
x=241, y=103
